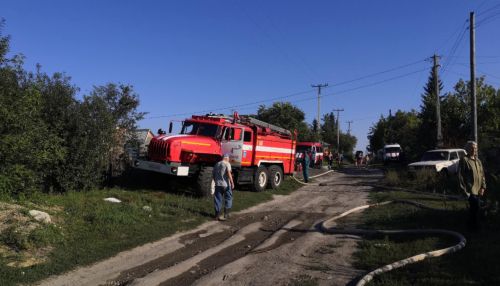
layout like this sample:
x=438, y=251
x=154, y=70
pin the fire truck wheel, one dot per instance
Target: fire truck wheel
x=275, y=177
x=260, y=179
x=204, y=181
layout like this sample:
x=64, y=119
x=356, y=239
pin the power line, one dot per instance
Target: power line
x=349, y=122
x=362, y=86
x=375, y=83
x=480, y=5
x=485, y=20
x=377, y=73
x=234, y=106
x=319, y=86
x=456, y=44
x=338, y=110
x=488, y=10
x=238, y=106
x=466, y=76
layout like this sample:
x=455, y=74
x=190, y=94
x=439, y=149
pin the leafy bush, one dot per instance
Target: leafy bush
x=50, y=140
x=426, y=180
x=392, y=178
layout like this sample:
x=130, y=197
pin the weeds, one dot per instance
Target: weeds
x=88, y=229
x=476, y=264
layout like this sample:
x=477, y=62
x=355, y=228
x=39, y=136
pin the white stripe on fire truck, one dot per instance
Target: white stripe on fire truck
x=274, y=149
x=247, y=147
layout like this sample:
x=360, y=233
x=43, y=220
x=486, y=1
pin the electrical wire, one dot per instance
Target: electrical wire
x=487, y=19
x=376, y=74
x=238, y=106
x=489, y=10
x=450, y=58
x=234, y=106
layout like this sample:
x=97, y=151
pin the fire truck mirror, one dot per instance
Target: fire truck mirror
x=170, y=127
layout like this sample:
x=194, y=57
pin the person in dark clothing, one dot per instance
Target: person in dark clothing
x=330, y=160
x=472, y=182
x=305, y=165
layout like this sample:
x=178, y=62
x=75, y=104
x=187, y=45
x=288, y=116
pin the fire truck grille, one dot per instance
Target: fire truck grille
x=157, y=150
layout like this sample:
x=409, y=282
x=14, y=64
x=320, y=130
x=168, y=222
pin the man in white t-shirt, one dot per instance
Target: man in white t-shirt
x=224, y=185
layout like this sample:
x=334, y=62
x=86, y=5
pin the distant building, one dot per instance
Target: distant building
x=143, y=137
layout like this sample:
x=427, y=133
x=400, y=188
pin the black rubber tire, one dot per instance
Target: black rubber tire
x=204, y=182
x=260, y=179
x=275, y=177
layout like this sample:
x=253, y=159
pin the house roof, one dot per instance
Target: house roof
x=142, y=134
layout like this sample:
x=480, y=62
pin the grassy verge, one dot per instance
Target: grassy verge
x=87, y=229
x=476, y=264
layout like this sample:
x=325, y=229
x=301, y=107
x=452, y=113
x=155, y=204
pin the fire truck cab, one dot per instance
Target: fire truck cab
x=260, y=153
x=316, y=149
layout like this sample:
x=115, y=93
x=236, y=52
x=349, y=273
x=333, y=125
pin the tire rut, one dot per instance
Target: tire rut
x=246, y=247
x=197, y=243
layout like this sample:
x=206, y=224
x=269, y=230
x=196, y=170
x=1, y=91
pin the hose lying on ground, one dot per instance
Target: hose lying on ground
x=312, y=177
x=327, y=226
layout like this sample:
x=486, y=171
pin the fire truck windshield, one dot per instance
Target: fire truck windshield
x=203, y=129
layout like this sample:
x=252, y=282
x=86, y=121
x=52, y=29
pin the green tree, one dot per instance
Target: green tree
x=288, y=116
x=401, y=128
x=376, y=135
x=347, y=143
x=28, y=148
x=51, y=141
x=329, y=129
x=427, y=115
x=329, y=135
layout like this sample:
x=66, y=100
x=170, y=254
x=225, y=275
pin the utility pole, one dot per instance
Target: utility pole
x=439, y=135
x=338, y=128
x=472, y=29
x=349, y=128
x=319, y=86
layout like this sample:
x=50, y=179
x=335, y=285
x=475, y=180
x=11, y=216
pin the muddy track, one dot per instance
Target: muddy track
x=270, y=244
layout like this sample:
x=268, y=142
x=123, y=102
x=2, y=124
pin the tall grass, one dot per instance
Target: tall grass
x=476, y=264
x=88, y=229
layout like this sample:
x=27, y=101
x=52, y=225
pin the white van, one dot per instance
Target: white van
x=392, y=153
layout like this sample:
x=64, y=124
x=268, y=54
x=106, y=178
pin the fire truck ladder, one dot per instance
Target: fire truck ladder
x=263, y=124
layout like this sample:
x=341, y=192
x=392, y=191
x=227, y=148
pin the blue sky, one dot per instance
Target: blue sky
x=188, y=56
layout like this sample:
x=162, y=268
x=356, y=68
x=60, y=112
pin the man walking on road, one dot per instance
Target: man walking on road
x=224, y=185
x=472, y=182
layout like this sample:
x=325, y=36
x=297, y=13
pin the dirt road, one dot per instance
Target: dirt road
x=275, y=243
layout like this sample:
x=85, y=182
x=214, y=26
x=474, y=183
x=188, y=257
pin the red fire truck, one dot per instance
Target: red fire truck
x=316, y=149
x=260, y=153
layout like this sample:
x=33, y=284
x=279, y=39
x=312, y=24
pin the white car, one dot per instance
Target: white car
x=444, y=161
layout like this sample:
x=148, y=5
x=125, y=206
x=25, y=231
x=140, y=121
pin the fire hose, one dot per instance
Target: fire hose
x=327, y=226
x=312, y=177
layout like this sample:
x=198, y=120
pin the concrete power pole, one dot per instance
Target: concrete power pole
x=319, y=86
x=349, y=128
x=473, y=77
x=439, y=139
x=338, y=128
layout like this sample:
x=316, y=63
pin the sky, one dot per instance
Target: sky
x=190, y=57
